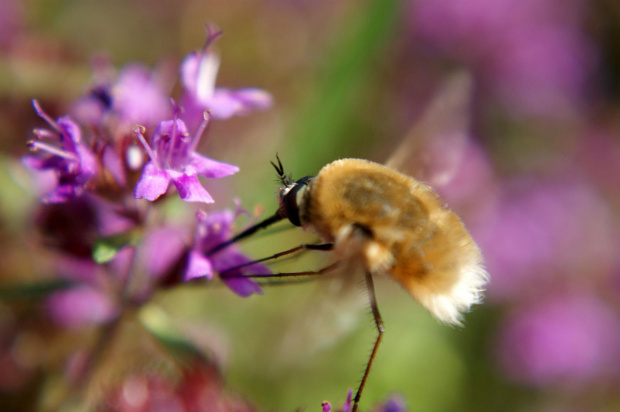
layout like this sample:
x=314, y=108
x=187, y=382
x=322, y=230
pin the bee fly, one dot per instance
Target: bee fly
x=385, y=222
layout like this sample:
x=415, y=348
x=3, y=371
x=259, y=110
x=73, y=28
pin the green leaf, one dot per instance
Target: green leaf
x=104, y=252
x=106, y=248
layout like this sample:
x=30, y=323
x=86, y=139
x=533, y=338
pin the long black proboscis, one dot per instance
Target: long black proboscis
x=248, y=232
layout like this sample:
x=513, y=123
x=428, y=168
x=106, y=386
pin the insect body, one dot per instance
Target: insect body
x=394, y=225
x=388, y=222
x=381, y=221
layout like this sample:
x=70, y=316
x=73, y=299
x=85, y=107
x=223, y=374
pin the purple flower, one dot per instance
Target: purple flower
x=568, y=339
x=394, y=404
x=63, y=154
x=135, y=96
x=174, y=159
x=138, y=96
x=211, y=230
x=198, y=74
x=346, y=407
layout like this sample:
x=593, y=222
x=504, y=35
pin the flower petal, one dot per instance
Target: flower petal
x=226, y=103
x=62, y=193
x=189, y=71
x=153, y=183
x=71, y=130
x=346, y=407
x=207, y=73
x=211, y=168
x=198, y=266
x=88, y=164
x=198, y=73
x=223, y=104
x=243, y=287
x=138, y=97
x=230, y=258
x=190, y=189
x=253, y=98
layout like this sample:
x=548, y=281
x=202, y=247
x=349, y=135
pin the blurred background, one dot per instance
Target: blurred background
x=536, y=183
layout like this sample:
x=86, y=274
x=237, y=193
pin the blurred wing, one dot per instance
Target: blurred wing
x=329, y=313
x=432, y=150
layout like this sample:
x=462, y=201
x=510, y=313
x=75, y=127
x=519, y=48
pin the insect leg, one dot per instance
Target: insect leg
x=248, y=232
x=380, y=329
x=324, y=247
x=283, y=275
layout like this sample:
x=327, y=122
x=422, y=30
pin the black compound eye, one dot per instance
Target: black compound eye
x=290, y=201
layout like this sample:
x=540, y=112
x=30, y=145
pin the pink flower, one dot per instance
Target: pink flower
x=211, y=230
x=198, y=74
x=63, y=153
x=138, y=97
x=174, y=160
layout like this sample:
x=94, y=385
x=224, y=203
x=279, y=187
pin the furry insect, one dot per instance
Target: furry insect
x=382, y=221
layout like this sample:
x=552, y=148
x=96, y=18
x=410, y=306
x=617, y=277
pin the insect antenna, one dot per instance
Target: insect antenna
x=283, y=177
x=286, y=180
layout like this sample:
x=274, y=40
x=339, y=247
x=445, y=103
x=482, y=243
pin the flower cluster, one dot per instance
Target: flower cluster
x=124, y=141
x=106, y=297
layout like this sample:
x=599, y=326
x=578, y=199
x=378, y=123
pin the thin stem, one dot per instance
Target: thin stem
x=110, y=329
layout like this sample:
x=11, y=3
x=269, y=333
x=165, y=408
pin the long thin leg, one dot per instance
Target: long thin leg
x=380, y=329
x=249, y=231
x=323, y=247
x=286, y=274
